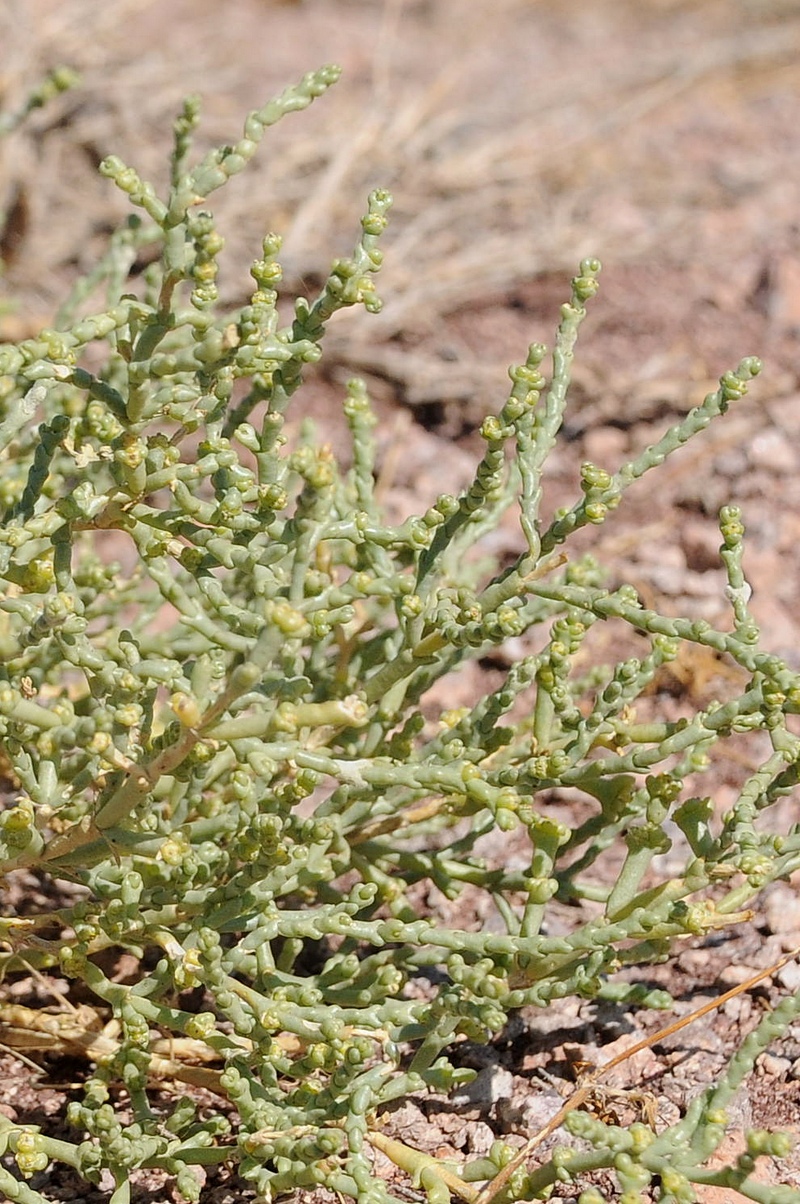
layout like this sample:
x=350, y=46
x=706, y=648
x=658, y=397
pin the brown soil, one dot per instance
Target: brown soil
x=517, y=136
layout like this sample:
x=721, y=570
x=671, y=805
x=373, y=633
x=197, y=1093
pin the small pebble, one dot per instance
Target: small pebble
x=733, y=975
x=782, y=909
x=490, y=1085
x=772, y=451
x=774, y=1067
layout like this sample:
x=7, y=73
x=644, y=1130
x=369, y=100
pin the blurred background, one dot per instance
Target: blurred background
x=516, y=136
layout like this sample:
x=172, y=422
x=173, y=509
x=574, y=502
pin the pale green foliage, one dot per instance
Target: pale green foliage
x=269, y=636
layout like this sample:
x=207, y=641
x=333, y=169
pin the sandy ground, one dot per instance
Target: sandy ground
x=517, y=136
